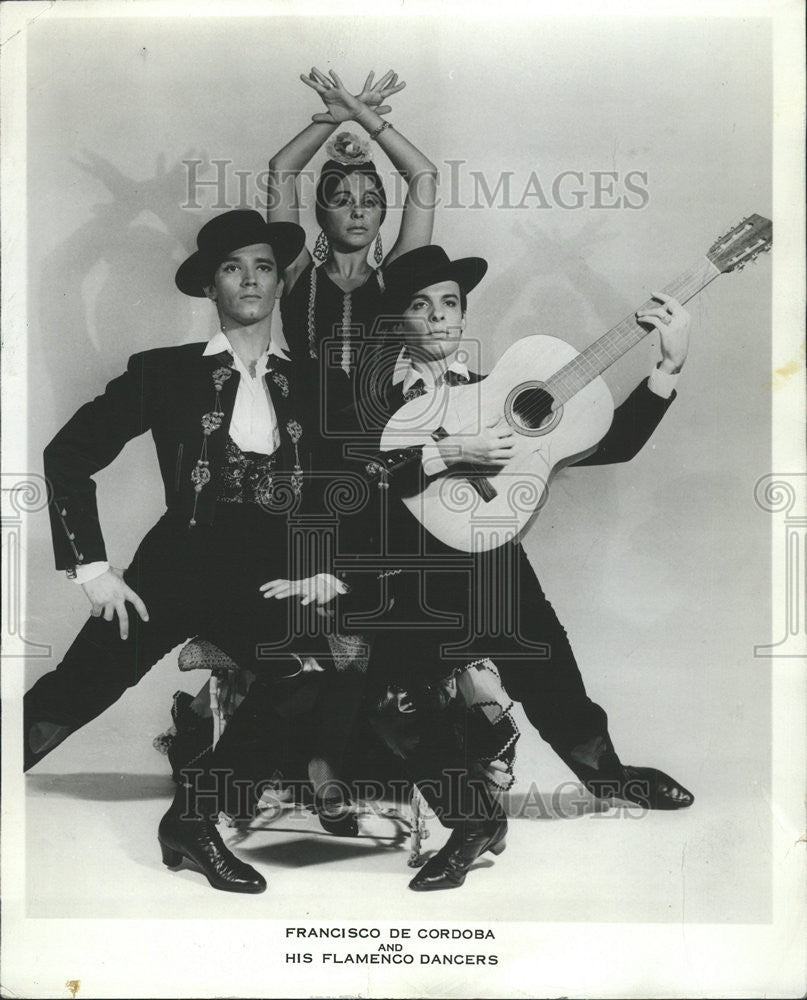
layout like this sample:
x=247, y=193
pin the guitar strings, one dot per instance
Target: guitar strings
x=590, y=363
x=586, y=366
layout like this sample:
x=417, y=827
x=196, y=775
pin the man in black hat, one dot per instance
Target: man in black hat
x=428, y=291
x=232, y=444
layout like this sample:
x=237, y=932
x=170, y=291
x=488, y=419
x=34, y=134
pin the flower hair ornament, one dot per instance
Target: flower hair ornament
x=347, y=148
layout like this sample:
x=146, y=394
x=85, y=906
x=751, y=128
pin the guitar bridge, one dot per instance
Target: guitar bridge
x=484, y=487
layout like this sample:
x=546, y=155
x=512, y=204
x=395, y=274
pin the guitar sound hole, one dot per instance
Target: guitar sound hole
x=531, y=409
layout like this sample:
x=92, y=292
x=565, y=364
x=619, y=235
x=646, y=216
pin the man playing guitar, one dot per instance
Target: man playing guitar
x=494, y=594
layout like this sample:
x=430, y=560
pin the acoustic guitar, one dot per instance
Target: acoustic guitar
x=554, y=400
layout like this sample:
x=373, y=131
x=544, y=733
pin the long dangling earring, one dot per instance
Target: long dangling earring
x=322, y=247
x=378, y=253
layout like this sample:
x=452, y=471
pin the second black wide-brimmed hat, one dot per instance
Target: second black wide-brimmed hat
x=426, y=266
x=230, y=231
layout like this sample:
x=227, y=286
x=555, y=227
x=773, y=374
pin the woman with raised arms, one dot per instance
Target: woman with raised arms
x=329, y=305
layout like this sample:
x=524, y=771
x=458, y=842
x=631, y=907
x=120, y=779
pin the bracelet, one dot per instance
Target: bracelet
x=377, y=131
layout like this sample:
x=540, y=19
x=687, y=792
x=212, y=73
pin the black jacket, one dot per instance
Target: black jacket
x=166, y=391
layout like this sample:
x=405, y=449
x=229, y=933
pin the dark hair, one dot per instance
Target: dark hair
x=333, y=173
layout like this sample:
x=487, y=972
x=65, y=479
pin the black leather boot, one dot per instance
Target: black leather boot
x=468, y=841
x=198, y=841
x=644, y=786
x=597, y=765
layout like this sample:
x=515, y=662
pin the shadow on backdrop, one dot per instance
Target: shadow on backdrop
x=108, y=290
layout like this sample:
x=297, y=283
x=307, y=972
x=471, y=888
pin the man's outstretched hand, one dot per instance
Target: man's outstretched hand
x=321, y=588
x=108, y=594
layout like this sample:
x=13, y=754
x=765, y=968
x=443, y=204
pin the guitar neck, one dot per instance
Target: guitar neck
x=620, y=339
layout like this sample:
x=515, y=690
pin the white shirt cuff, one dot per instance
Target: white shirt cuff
x=662, y=383
x=89, y=572
x=433, y=463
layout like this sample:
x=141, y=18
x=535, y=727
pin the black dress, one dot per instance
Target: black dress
x=328, y=330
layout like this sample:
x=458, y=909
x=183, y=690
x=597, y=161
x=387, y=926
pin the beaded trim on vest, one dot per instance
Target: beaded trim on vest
x=347, y=315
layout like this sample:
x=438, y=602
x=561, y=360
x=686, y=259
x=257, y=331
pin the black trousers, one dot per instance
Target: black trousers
x=201, y=580
x=277, y=729
x=440, y=759
x=502, y=614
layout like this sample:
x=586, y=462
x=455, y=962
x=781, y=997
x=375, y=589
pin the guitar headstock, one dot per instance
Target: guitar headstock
x=744, y=243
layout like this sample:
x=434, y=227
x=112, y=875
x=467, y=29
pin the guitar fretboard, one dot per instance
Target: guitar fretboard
x=618, y=341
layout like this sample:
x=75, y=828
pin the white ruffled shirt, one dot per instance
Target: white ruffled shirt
x=253, y=426
x=409, y=372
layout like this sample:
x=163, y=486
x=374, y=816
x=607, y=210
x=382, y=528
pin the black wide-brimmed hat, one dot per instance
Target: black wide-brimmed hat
x=426, y=266
x=231, y=231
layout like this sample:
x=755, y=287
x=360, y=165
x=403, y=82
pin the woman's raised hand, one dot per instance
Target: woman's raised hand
x=374, y=95
x=343, y=106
